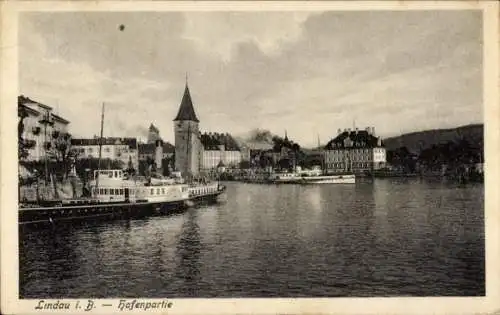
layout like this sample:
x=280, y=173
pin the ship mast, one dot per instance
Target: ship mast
x=100, y=148
x=188, y=157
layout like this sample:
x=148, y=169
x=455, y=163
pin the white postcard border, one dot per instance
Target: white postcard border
x=10, y=302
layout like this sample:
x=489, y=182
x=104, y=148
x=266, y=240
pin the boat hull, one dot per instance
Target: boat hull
x=318, y=179
x=111, y=211
x=329, y=180
x=101, y=212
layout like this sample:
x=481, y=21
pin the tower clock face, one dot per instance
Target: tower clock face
x=179, y=124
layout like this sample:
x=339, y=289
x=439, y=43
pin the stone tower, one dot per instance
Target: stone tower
x=153, y=134
x=187, y=138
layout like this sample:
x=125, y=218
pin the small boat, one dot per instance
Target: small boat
x=330, y=179
x=314, y=176
x=285, y=178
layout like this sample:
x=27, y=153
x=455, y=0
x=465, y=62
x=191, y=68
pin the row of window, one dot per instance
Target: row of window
x=350, y=144
x=203, y=191
x=106, y=150
x=341, y=150
x=161, y=191
x=109, y=191
x=365, y=157
x=229, y=153
x=353, y=165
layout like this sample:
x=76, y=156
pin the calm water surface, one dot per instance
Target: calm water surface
x=382, y=238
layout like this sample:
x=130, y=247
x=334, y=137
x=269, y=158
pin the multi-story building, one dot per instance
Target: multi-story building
x=118, y=149
x=220, y=150
x=42, y=128
x=356, y=151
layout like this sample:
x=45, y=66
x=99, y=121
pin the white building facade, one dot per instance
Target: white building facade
x=219, y=150
x=42, y=128
x=214, y=158
x=357, y=151
x=118, y=149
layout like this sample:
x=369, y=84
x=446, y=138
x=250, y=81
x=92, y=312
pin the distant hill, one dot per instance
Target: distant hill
x=417, y=141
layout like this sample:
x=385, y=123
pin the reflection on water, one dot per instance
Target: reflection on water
x=382, y=238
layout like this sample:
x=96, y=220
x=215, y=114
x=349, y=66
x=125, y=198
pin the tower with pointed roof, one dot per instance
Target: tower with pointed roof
x=153, y=134
x=188, y=148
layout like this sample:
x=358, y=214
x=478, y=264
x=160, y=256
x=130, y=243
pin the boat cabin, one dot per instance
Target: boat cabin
x=108, y=174
x=111, y=186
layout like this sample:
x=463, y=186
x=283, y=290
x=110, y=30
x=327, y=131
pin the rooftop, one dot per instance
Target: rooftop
x=148, y=148
x=354, y=139
x=27, y=103
x=131, y=142
x=186, y=109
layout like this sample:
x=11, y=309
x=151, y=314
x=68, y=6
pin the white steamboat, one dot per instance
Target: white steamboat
x=314, y=176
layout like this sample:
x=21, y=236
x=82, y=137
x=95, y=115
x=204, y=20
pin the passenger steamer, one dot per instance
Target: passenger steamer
x=115, y=196
x=312, y=177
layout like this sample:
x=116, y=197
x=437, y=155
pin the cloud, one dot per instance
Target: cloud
x=307, y=73
x=220, y=32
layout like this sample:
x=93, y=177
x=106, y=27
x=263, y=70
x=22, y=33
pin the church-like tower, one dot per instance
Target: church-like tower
x=188, y=148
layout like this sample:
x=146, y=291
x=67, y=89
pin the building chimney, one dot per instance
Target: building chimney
x=368, y=130
x=339, y=131
x=373, y=131
x=357, y=130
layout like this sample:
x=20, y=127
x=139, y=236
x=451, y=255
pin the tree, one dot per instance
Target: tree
x=60, y=152
x=130, y=167
x=244, y=165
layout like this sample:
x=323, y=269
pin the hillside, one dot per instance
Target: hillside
x=417, y=141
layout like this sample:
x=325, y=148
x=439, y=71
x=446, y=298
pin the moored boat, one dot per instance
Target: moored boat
x=329, y=179
x=113, y=195
x=314, y=176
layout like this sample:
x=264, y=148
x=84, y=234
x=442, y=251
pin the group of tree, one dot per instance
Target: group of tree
x=454, y=154
x=148, y=166
x=451, y=153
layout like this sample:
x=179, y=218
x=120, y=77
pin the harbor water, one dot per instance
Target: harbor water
x=387, y=237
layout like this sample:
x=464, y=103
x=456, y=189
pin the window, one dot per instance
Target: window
x=111, y=191
x=163, y=190
x=152, y=191
x=158, y=191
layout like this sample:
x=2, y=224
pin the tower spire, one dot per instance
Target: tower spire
x=186, y=109
x=286, y=136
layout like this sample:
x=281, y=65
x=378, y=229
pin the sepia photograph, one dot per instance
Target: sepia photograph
x=234, y=152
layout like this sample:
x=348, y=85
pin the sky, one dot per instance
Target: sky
x=309, y=73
